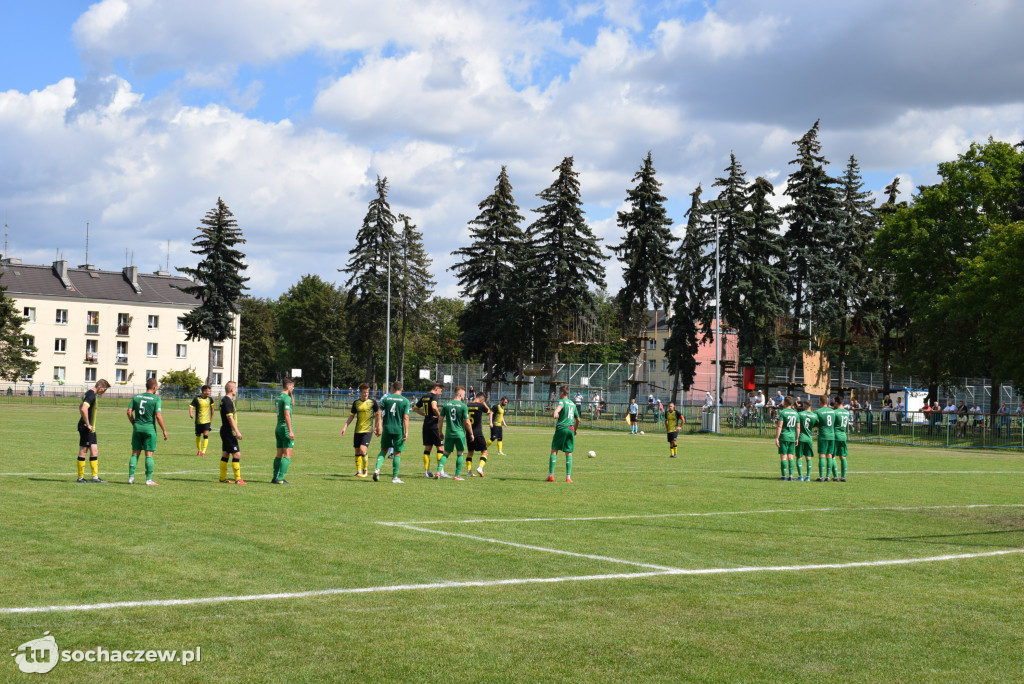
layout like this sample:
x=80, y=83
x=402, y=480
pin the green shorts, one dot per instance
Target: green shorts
x=564, y=440
x=394, y=441
x=826, y=446
x=143, y=440
x=840, y=450
x=454, y=442
x=281, y=434
x=787, y=448
x=804, y=449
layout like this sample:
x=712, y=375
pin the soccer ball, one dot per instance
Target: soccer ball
x=641, y=432
x=591, y=454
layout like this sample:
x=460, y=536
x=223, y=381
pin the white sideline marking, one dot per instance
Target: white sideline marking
x=531, y=547
x=495, y=583
x=689, y=515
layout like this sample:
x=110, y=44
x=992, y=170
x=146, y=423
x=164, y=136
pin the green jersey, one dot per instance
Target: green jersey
x=145, y=406
x=789, y=419
x=284, y=403
x=807, y=421
x=842, y=422
x=826, y=423
x=567, y=417
x=455, y=414
x=394, y=408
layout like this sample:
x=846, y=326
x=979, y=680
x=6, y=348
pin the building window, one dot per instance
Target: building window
x=150, y=374
x=121, y=375
x=151, y=348
x=62, y=316
x=215, y=378
x=652, y=366
x=28, y=341
x=60, y=345
x=664, y=365
x=153, y=322
x=92, y=323
x=652, y=344
x=90, y=375
x=180, y=351
x=29, y=313
x=124, y=323
x=122, y=353
x=181, y=324
x=26, y=377
x=218, y=357
x=90, y=351
x=58, y=373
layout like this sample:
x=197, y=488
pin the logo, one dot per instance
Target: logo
x=38, y=656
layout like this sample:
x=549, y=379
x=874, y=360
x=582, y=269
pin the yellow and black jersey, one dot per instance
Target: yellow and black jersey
x=498, y=411
x=427, y=403
x=90, y=400
x=227, y=408
x=673, y=421
x=477, y=411
x=364, y=411
x=204, y=409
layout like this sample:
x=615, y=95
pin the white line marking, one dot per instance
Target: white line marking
x=531, y=547
x=495, y=583
x=691, y=515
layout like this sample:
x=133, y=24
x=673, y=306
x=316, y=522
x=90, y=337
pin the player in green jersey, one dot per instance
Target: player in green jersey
x=395, y=410
x=842, y=424
x=456, y=425
x=786, y=435
x=567, y=419
x=87, y=432
x=805, y=445
x=144, y=415
x=283, y=433
x=826, y=438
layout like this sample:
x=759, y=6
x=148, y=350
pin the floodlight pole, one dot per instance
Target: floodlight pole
x=330, y=388
x=387, y=344
x=718, y=332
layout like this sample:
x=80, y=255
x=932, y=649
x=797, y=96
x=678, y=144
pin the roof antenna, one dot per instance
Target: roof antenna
x=5, y=233
x=86, y=242
x=168, y=266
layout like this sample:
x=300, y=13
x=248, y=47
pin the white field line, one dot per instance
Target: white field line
x=493, y=583
x=531, y=547
x=410, y=523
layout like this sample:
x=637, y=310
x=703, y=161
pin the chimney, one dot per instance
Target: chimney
x=60, y=269
x=131, y=274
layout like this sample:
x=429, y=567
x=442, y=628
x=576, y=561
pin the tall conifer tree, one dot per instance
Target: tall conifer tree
x=413, y=282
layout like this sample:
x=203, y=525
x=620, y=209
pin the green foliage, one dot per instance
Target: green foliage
x=413, y=284
x=15, y=356
x=219, y=282
x=257, y=349
x=312, y=322
x=186, y=380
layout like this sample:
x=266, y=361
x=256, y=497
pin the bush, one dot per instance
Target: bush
x=186, y=380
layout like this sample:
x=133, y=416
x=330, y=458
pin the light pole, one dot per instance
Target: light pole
x=714, y=206
x=387, y=343
x=330, y=387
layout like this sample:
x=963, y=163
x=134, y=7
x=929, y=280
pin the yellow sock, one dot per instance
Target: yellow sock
x=237, y=467
x=426, y=461
x=499, y=446
x=199, y=442
x=483, y=461
x=489, y=442
x=359, y=463
x=94, y=464
x=206, y=443
x=223, y=470
x=81, y=468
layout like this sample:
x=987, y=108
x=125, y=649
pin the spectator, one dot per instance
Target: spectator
x=901, y=413
x=744, y=413
x=962, y=411
x=886, y=411
x=596, y=403
x=979, y=417
x=578, y=400
x=709, y=402
x=1004, y=420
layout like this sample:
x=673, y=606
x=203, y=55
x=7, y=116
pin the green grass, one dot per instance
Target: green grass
x=69, y=544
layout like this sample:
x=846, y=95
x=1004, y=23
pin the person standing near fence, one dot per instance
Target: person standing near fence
x=87, y=445
x=633, y=416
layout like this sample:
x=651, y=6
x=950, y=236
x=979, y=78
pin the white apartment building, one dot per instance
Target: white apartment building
x=124, y=326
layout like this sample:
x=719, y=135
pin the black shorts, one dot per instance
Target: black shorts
x=432, y=438
x=228, y=441
x=86, y=437
x=202, y=428
x=672, y=436
x=477, y=443
x=361, y=439
x=496, y=433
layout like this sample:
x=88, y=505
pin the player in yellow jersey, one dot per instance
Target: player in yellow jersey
x=498, y=423
x=229, y=436
x=674, y=421
x=201, y=410
x=428, y=407
x=87, y=432
x=366, y=412
x=478, y=408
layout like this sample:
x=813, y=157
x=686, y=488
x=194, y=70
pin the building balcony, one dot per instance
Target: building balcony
x=92, y=329
x=121, y=358
x=123, y=329
x=91, y=357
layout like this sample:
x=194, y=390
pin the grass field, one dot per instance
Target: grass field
x=702, y=568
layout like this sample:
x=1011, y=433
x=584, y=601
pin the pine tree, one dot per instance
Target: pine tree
x=567, y=254
x=811, y=239
x=367, y=284
x=645, y=253
x=486, y=271
x=414, y=283
x=15, y=355
x=219, y=280
x=691, y=312
x=733, y=225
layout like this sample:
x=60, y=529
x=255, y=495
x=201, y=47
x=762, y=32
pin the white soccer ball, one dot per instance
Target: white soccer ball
x=641, y=432
x=591, y=454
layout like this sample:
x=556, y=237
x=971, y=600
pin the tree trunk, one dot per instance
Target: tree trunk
x=371, y=368
x=795, y=342
x=994, y=399
x=842, y=356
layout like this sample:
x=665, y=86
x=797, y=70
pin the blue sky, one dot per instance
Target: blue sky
x=135, y=115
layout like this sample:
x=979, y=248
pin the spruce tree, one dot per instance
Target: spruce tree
x=219, y=283
x=567, y=256
x=15, y=355
x=486, y=270
x=733, y=226
x=367, y=283
x=645, y=253
x=413, y=281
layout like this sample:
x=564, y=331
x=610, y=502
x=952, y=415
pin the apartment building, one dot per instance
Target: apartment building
x=124, y=326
